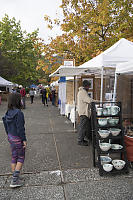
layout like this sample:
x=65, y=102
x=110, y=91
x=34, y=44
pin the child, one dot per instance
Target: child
x=14, y=127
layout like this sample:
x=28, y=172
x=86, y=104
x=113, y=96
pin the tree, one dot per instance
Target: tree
x=91, y=27
x=20, y=50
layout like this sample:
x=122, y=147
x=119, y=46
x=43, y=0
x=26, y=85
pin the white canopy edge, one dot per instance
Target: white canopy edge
x=69, y=71
x=120, y=52
x=125, y=68
x=4, y=82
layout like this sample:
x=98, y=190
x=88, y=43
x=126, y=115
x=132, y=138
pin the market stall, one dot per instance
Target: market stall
x=5, y=87
x=104, y=63
x=70, y=71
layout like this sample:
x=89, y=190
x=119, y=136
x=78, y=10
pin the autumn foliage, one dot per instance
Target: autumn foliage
x=89, y=27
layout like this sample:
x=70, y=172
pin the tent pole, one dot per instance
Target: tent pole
x=101, y=94
x=115, y=85
x=74, y=102
x=75, y=97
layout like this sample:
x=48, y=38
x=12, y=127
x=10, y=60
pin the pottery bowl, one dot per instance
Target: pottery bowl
x=105, y=160
x=107, y=167
x=113, y=121
x=102, y=121
x=99, y=111
x=116, y=146
x=115, y=131
x=118, y=164
x=105, y=146
x=103, y=133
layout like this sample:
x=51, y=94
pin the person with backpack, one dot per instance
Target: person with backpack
x=14, y=126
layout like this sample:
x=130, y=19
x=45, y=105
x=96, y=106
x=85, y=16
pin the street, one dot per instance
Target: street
x=56, y=168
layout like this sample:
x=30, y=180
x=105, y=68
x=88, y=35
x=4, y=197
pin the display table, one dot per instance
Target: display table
x=72, y=115
x=68, y=108
x=129, y=147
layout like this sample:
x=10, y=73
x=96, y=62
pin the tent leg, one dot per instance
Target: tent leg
x=75, y=102
x=101, y=94
x=115, y=85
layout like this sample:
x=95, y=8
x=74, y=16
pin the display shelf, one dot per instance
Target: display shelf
x=114, y=171
x=105, y=116
x=96, y=138
x=110, y=151
x=109, y=137
x=108, y=126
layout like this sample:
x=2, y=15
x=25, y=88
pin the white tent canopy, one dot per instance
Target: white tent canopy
x=4, y=82
x=125, y=68
x=121, y=51
x=68, y=71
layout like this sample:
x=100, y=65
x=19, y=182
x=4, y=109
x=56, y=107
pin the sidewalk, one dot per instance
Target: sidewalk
x=56, y=168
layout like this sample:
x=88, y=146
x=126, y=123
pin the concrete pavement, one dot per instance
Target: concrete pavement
x=56, y=168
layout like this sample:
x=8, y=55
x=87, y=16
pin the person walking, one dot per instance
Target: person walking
x=53, y=96
x=23, y=94
x=83, y=105
x=32, y=94
x=14, y=127
x=45, y=100
x=41, y=92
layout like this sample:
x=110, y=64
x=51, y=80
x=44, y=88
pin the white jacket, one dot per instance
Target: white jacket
x=83, y=102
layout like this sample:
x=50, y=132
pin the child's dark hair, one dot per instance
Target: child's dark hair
x=14, y=101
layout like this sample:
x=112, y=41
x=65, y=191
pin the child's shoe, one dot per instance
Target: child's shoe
x=16, y=183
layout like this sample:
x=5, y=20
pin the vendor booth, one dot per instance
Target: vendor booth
x=69, y=71
x=106, y=62
x=102, y=66
x=5, y=87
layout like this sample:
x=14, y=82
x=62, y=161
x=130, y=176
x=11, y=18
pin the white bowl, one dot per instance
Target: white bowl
x=102, y=121
x=115, y=131
x=116, y=146
x=105, y=160
x=99, y=111
x=118, y=164
x=105, y=146
x=104, y=133
x=113, y=121
x=107, y=167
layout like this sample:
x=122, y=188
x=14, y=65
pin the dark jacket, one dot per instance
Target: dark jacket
x=44, y=93
x=14, y=123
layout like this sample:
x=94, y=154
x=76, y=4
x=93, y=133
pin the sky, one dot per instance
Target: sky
x=31, y=14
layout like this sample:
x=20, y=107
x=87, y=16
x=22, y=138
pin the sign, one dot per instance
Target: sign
x=69, y=62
